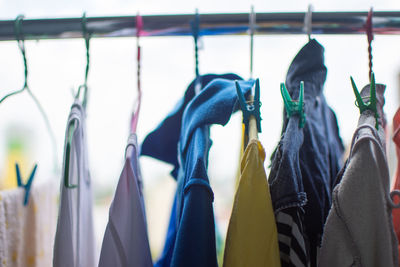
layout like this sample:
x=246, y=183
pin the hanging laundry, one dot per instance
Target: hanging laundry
x=74, y=242
x=125, y=241
x=27, y=232
x=162, y=144
x=359, y=229
x=396, y=186
x=194, y=244
x=195, y=239
x=305, y=163
x=252, y=238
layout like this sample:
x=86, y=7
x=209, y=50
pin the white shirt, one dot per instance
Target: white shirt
x=125, y=241
x=74, y=243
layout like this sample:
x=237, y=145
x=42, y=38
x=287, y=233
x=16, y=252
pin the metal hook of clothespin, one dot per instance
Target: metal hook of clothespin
x=371, y=103
x=135, y=113
x=28, y=185
x=370, y=38
x=308, y=21
x=251, y=108
x=293, y=107
x=86, y=35
x=195, y=26
x=252, y=26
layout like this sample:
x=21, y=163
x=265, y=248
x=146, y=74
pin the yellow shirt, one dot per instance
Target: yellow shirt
x=252, y=238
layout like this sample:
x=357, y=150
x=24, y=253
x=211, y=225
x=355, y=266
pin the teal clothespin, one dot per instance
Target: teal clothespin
x=250, y=109
x=28, y=184
x=71, y=131
x=371, y=103
x=293, y=107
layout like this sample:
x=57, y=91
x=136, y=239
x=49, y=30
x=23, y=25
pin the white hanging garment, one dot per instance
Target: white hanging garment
x=27, y=232
x=125, y=241
x=74, y=243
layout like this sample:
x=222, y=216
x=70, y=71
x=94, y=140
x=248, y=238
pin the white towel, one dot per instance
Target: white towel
x=27, y=232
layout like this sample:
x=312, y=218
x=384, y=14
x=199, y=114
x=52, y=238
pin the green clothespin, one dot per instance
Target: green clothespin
x=293, y=107
x=371, y=103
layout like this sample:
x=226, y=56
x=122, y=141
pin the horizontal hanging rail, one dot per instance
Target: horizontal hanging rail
x=210, y=24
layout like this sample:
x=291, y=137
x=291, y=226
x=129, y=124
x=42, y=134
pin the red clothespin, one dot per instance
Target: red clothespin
x=370, y=37
x=135, y=113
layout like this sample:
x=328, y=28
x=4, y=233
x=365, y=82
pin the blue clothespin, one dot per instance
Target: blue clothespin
x=293, y=107
x=250, y=109
x=371, y=103
x=28, y=184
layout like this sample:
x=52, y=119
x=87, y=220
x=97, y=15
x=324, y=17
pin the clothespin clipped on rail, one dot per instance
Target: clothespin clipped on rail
x=28, y=184
x=294, y=107
x=250, y=108
x=371, y=103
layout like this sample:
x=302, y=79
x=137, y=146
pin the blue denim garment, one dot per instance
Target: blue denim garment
x=306, y=161
x=162, y=143
x=169, y=131
x=166, y=255
x=195, y=240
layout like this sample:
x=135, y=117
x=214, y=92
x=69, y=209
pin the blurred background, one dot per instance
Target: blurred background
x=56, y=69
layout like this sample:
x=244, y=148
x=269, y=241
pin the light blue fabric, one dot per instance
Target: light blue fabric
x=193, y=242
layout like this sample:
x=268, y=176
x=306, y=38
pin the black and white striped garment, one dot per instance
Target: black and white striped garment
x=292, y=239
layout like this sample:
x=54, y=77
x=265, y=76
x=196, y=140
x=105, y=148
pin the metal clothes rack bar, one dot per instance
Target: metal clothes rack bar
x=384, y=22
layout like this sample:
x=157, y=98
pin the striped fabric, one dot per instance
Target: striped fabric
x=291, y=237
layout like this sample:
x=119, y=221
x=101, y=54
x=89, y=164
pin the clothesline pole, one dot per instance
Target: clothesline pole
x=385, y=22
